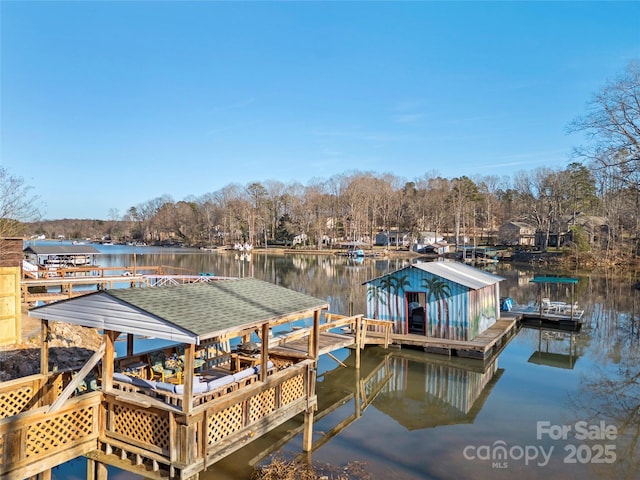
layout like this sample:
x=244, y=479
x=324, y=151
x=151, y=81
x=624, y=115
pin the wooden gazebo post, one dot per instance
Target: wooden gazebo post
x=107, y=360
x=264, y=352
x=314, y=350
x=187, y=376
x=44, y=347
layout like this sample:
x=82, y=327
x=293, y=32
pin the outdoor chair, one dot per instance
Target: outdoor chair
x=162, y=366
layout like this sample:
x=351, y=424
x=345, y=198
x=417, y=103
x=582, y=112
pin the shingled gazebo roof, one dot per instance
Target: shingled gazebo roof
x=184, y=313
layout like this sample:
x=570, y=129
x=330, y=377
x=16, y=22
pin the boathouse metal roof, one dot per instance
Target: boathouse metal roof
x=460, y=273
x=184, y=313
x=62, y=250
x=457, y=272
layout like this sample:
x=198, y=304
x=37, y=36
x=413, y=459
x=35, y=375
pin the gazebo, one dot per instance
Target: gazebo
x=223, y=398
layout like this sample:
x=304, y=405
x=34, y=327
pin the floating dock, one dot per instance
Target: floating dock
x=484, y=346
x=550, y=320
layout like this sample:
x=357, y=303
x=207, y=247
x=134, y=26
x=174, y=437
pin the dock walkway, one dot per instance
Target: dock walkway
x=484, y=346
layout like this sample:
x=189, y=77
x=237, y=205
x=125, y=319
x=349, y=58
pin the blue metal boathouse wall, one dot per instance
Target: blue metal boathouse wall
x=459, y=301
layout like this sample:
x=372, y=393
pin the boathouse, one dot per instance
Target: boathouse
x=448, y=300
x=48, y=258
x=169, y=413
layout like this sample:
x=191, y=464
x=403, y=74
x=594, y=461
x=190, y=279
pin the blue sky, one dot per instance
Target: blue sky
x=106, y=105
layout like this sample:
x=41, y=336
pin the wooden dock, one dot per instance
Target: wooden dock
x=534, y=317
x=482, y=347
x=555, y=322
x=48, y=290
x=328, y=342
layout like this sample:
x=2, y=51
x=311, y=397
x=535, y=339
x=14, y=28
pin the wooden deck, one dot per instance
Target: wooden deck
x=553, y=321
x=485, y=345
x=138, y=430
x=328, y=343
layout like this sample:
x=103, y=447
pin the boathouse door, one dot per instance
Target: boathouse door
x=416, y=321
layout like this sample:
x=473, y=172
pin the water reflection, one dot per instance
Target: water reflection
x=415, y=390
x=556, y=349
x=426, y=391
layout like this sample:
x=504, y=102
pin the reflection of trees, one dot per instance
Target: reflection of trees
x=615, y=399
x=612, y=393
x=612, y=320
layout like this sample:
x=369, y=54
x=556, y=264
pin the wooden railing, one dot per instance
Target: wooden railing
x=167, y=442
x=35, y=441
x=367, y=330
x=27, y=393
x=21, y=395
x=379, y=328
x=340, y=321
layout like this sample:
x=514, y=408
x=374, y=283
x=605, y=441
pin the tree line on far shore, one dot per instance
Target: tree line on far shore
x=603, y=182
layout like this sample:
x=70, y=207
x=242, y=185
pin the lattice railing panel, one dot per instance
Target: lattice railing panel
x=261, y=405
x=224, y=423
x=53, y=433
x=16, y=401
x=59, y=386
x=141, y=426
x=292, y=389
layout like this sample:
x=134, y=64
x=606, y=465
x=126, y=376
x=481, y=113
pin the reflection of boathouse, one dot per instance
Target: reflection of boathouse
x=423, y=393
x=417, y=390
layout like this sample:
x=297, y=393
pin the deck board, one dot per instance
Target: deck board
x=482, y=345
x=329, y=342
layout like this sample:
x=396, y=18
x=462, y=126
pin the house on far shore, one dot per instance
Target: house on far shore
x=596, y=228
x=393, y=239
x=517, y=233
x=436, y=299
x=430, y=243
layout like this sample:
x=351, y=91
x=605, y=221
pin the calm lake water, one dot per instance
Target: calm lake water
x=550, y=405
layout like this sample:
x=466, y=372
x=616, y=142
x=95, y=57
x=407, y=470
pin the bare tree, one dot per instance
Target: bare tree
x=612, y=124
x=464, y=196
x=17, y=205
x=489, y=186
x=274, y=204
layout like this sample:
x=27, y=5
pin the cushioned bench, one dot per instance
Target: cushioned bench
x=203, y=391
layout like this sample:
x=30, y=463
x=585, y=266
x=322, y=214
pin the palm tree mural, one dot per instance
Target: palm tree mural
x=386, y=286
x=375, y=294
x=439, y=291
x=398, y=284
